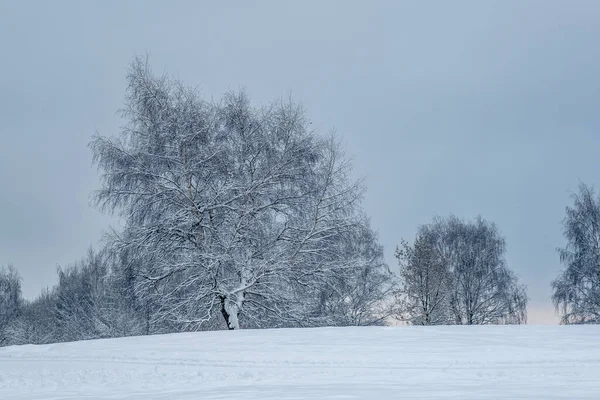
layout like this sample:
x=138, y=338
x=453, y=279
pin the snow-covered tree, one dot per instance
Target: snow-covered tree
x=89, y=302
x=456, y=272
x=485, y=290
x=361, y=296
x=36, y=323
x=10, y=300
x=577, y=289
x=426, y=279
x=229, y=209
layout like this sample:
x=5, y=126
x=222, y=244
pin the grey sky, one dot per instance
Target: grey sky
x=480, y=107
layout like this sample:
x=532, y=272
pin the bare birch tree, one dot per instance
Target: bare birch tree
x=228, y=209
x=456, y=273
x=425, y=276
x=485, y=289
x=577, y=289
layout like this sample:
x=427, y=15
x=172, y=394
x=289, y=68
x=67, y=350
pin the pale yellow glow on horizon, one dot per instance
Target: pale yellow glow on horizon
x=542, y=316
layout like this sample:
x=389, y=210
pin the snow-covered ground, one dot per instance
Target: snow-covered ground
x=509, y=362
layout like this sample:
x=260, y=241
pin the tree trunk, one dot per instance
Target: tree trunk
x=230, y=311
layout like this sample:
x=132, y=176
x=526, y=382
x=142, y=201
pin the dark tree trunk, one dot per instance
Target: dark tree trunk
x=225, y=313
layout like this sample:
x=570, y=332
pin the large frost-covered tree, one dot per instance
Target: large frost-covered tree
x=456, y=273
x=577, y=290
x=235, y=211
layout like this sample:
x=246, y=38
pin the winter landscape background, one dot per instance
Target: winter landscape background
x=467, y=108
x=180, y=180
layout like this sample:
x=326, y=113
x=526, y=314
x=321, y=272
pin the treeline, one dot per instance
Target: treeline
x=91, y=300
x=243, y=217
x=454, y=273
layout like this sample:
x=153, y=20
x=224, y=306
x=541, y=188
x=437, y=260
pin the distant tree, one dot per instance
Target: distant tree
x=577, y=289
x=10, y=300
x=36, y=323
x=92, y=299
x=361, y=297
x=455, y=272
x=486, y=291
x=232, y=212
x=89, y=302
x=426, y=279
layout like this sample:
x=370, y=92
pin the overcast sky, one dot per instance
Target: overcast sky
x=479, y=107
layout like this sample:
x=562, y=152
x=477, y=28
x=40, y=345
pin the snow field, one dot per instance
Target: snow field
x=477, y=362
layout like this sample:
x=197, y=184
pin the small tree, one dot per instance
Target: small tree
x=577, y=289
x=425, y=276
